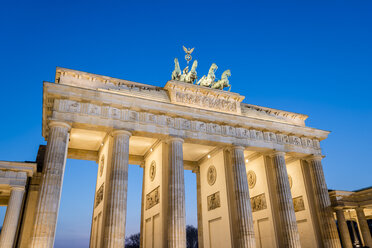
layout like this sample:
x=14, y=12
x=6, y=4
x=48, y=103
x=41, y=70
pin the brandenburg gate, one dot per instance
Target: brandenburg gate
x=260, y=180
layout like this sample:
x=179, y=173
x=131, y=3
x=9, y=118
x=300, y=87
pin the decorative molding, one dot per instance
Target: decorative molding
x=127, y=115
x=273, y=114
x=213, y=201
x=203, y=97
x=152, y=198
x=258, y=202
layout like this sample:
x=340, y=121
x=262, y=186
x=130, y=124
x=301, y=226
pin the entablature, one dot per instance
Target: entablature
x=85, y=108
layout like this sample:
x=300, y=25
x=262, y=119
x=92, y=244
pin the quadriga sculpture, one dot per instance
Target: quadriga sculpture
x=176, y=74
x=189, y=76
x=224, y=82
x=209, y=79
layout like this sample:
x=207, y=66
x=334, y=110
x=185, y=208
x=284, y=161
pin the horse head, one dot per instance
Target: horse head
x=213, y=68
x=194, y=65
x=226, y=74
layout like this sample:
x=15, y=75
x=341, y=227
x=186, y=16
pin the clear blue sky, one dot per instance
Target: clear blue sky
x=311, y=57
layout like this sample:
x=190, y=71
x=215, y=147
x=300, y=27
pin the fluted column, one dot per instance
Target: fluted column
x=51, y=185
x=287, y=218
x=176, y=195
x=325, y=214
x=116, y=208
x=199, y=209
x=344, y=231
x=142, y=231
x=9, y=229
x=364, y=229
x=244, y=224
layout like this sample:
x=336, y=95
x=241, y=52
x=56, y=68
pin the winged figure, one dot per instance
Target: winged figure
x=188, y=51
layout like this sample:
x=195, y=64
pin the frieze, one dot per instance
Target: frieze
x=152, y=198
x=213, y=201
x=258, y=202
x=183, y=124
x=298, y=204
x=202, y=97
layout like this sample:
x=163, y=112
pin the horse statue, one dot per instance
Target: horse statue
x=176, y=74
x=224, y=82
x=190, y=76
x=209, y=79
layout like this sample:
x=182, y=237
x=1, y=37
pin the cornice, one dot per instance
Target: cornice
x=178, y=93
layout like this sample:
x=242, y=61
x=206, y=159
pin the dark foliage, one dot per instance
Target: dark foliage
x=191, y=237
x=133, y=241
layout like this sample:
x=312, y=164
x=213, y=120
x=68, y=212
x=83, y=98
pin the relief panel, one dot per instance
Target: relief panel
x=214, y=201
x=152, y=198
x=258, y=202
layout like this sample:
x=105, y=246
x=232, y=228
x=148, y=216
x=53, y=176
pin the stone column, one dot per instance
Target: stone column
x=344, y=231
x=199, y=209
x=244, y=221
x=176, y=195
x=13, y=210
x=364, y=229
x=142, y=231
x=51, y=186
x=287, y=218
x=327, y=223
x=116, y=208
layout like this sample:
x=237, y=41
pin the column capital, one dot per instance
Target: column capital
x=238, y=147
x=17, y=188
x=196, y=170
x=315, y=158
x=59, y=124
x=174, y=138
x=120, y=132
x=359, y=208
x=277, y=153
x=338, y=208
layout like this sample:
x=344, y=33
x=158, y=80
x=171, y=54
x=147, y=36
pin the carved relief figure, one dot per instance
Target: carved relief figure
x=213, y=201
x=298, y=204
x=251, y=176
x=209, y=79
x=211, y=175
x=152, y=198
x=223, y=82
x=99, y=194
x=101, y=165
x=258, y=202
x=152, y=170
x=176, y=74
